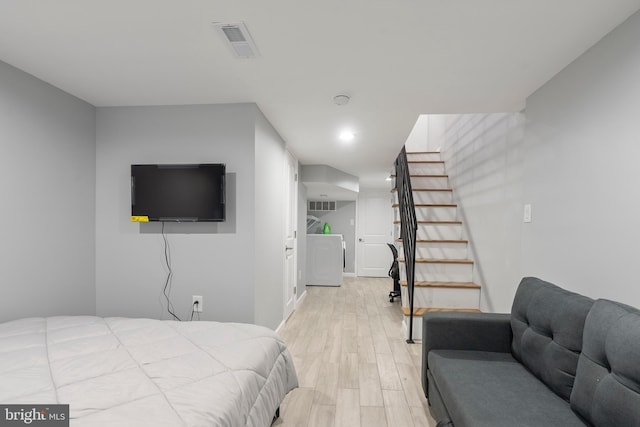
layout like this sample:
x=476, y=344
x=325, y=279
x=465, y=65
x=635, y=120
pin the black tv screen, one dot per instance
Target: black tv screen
x=178, y=192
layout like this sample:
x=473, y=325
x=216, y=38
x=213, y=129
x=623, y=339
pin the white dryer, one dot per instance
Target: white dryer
x=325, y=259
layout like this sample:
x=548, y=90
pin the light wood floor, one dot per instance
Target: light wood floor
x=354, y=367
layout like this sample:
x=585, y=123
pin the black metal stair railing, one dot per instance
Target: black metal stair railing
x=408, y=227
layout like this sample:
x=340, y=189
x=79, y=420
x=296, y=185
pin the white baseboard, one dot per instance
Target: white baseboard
x=302, y=297
x=349, y=275
x=298, y=302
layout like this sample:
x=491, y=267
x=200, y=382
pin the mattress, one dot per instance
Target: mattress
x=144, y=372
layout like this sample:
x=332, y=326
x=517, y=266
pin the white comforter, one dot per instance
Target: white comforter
x=142, y=372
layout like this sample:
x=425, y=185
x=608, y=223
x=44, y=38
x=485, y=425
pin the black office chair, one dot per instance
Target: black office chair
x=394, y=273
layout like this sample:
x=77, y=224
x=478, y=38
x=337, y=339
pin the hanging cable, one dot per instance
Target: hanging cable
x=167, y=283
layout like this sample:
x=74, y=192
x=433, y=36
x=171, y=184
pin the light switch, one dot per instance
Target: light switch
x=527, y=212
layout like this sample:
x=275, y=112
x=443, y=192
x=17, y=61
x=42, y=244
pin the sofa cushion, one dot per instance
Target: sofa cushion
x=463, y=331
x=486, y=389
x=607, y=385
x=547, y=323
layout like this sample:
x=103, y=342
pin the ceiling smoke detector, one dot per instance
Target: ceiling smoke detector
x=341, y=99
x=237, y=37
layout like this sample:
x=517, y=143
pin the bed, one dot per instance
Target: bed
x=144, y=372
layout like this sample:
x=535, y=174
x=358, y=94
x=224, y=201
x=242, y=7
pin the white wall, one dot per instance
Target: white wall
x=419, y=136
x=47, y=186
x=577, y=164
x=269, y=223
x=216, y=261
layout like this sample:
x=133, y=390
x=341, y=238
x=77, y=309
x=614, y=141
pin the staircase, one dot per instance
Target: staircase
x=443, y=275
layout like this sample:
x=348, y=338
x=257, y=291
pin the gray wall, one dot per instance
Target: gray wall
x=575, y=159
x=47, y=186
x=216, y=261
x=342, y=221
x=483, y=158
x=74, y=210
x=269, y=224
x=581, y=175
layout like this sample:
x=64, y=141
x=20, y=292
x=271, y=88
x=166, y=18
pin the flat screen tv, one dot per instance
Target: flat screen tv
x=179, y=193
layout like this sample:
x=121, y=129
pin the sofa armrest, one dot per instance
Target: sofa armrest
x=464, y=331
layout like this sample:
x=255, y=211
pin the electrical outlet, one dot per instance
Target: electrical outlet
x=197, y=299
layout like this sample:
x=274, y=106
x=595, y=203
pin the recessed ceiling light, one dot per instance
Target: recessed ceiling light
x=346, y=136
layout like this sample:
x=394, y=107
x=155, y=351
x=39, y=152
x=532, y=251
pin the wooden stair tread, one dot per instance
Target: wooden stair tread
x=437, y=241
x=439, y=261
x=454, y=285
x=430, y=205
x=423, y=152
x=424, y=175
x=418, y=312
x=425, y=161
x=395, y=190
x=435, y=222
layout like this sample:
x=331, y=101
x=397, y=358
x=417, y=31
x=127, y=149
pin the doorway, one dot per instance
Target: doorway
x=374, y=231
x=290, y=233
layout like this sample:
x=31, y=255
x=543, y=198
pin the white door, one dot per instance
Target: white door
x=290, y=221
x=374, y=231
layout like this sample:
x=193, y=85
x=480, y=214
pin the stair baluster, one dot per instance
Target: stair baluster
x=408, y=227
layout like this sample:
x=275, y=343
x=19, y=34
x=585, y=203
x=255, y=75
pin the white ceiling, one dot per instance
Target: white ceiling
x=395, y=58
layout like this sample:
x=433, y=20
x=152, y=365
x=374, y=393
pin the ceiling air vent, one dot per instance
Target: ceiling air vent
x=238, y=39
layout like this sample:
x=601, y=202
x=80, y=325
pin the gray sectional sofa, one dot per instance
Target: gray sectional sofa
x=559, y=359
